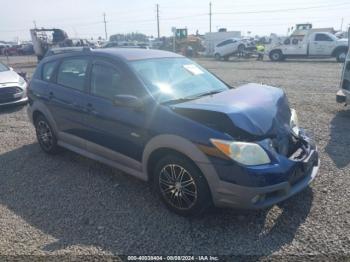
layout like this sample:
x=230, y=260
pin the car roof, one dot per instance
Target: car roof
x=132, y=54
x=126, y=54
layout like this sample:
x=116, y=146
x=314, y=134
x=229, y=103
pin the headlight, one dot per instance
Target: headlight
x=294, y=123
x=243, y=152
x=22, y=82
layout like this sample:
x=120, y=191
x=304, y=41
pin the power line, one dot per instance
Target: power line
x=279, y=10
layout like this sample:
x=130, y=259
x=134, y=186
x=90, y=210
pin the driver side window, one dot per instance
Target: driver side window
x=106, y=81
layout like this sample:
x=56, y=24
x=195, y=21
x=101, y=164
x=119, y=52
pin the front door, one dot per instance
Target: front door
x=321, y=45
x=115, y=132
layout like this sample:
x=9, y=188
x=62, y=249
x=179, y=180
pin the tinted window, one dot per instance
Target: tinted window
x=48, y=70
x=322, y=37
x=226, y=42
x=72, y=73
x=106, y=81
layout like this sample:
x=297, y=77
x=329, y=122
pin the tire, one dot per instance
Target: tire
x=241, y=48
x=192, y=197
x=217, y=56
x=341, y=56
x=276, y=55
x=226, y=58
x=45, y=135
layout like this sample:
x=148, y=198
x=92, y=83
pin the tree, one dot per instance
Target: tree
x=129, y=37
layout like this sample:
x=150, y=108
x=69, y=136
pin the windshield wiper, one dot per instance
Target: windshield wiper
x=205, y=94
x=188, y=98
x=176, y=101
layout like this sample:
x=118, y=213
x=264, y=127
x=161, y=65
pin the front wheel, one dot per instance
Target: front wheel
x=217, y=57
x=276, y=56
x=341, y=56
x=181, y=186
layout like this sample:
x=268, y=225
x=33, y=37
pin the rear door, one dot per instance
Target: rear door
x=321, y=45
x=115, y=132
x=66, y=98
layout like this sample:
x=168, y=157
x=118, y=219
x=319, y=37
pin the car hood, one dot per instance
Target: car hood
x=8, y=77
x=343, y=41
x=251, y=111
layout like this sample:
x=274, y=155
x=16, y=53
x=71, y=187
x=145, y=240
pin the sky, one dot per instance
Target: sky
x=84, y=18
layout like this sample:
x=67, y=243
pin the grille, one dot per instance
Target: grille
x=8, y=94
x=9, y=90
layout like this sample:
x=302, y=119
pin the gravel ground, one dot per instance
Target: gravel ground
x=68, y=204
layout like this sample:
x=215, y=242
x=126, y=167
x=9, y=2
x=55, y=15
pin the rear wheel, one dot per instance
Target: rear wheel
x=241, y=48
x=181, y=186
x=45, y=135
x=341, y=56
x=217, y=56
x=276, y=55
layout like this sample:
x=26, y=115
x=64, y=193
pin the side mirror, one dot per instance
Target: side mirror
x=128, y=101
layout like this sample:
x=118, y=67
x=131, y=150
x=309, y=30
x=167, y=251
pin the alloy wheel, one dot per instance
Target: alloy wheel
x=44, y=135
x=178, y=187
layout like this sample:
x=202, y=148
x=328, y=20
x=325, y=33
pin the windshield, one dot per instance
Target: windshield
x=3, y=68
x=170, y=79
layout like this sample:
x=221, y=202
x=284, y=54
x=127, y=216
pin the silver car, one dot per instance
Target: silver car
x=13, y=88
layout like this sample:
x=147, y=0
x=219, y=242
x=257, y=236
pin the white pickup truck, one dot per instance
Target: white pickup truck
x=312, y=45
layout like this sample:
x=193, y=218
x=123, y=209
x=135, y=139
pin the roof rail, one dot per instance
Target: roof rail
x=64, y=50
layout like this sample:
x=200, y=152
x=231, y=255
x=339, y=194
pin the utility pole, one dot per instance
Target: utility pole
x=104, y=21
x=210, y=17
x=34, y=22
x=158, y=21
x=341, y=24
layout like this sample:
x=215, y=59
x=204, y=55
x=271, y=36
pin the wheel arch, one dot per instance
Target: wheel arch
x=275, y=50
x=164, y=144
x=39, y=108
x=338, y=49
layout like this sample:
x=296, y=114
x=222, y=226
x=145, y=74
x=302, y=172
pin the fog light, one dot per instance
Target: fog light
x=258, y=198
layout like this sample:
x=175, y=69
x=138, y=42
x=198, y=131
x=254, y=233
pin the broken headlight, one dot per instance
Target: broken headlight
x=294, y=123
x=249, y=154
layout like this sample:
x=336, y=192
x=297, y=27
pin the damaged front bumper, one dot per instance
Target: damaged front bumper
x=278, y=182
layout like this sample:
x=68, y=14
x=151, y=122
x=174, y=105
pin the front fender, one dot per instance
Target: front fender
x=186, y=148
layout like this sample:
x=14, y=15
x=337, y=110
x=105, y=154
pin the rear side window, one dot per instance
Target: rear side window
x=106, y=81
x=72, y=73
x=226, y=42
x=48, y=70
